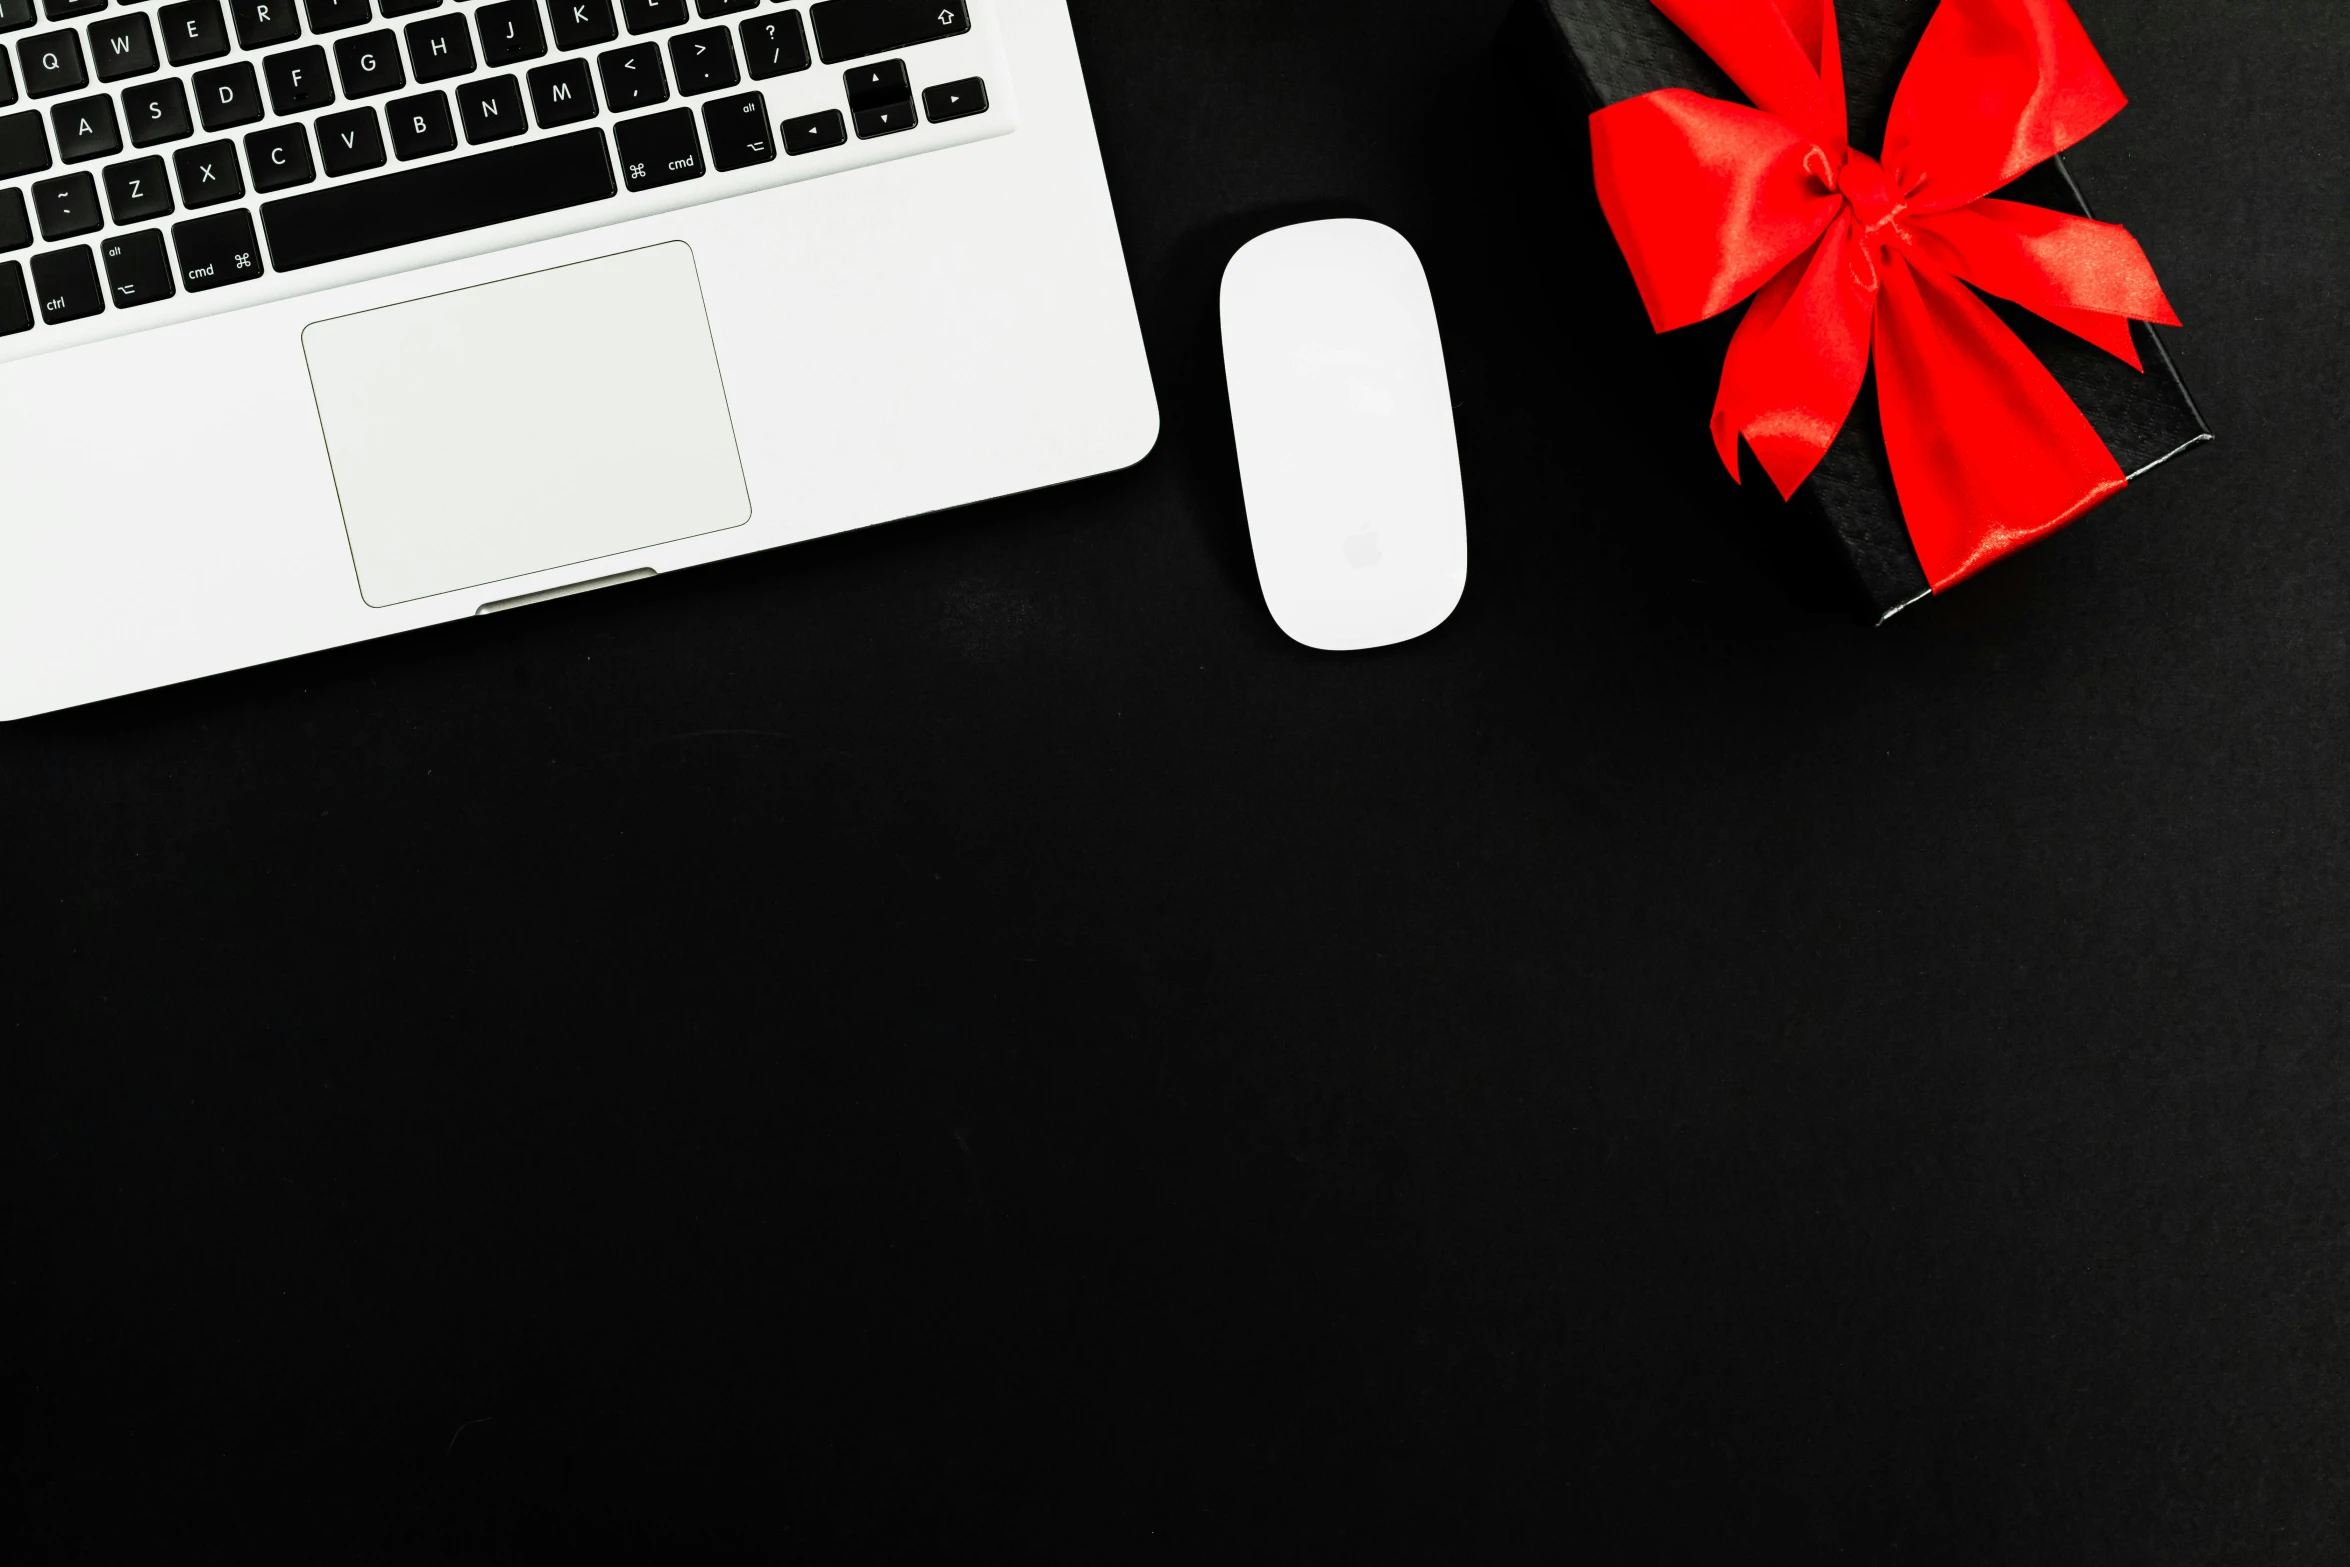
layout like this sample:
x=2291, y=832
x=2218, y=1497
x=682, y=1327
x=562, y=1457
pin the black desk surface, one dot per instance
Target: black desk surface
x=962, y=1037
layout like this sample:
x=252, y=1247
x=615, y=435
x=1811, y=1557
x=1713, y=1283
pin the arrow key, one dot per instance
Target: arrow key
x=955, y=101
x=885, y=121
x=877, y=86
x=814, y=133
x=739, y=133
x=137, y=270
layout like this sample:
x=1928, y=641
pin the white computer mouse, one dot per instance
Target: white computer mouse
x=1343, y=416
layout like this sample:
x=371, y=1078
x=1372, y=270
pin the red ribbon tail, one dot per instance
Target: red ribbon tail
x=2111, y=333
x=1988, y=452
x=1797, y=362
x=2090, y=278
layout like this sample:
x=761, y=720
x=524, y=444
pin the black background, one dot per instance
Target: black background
x=962, y=1039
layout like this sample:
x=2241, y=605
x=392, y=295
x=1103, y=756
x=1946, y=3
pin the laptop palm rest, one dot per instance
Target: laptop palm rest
x=544, y=421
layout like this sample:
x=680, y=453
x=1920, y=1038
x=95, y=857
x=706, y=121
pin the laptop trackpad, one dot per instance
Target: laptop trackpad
x=544, y=421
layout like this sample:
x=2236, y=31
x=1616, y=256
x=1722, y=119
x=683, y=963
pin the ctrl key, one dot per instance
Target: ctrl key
x=65, y=285
x=216, y=251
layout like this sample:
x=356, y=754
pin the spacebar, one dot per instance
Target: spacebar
x=342, y=221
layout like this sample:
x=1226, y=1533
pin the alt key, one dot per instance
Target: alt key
x=137, y=270
x=738, y=131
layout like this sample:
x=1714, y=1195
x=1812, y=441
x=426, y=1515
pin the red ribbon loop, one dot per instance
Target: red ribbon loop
x=1845, y=256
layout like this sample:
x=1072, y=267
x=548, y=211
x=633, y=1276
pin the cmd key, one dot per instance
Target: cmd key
x=659, y=149
x=217, y=251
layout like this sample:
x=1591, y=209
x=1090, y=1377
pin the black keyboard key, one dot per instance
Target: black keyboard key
x=392, y=8
x=279, y=157
x=632, y=77
x=208, y=174
x=298, y=81
x=653, y=16
x=660, y=149
x=440, y=48
x=86, y=129
x=877, y=86
x=775, y=45
x=227, y=95
x=562, y=94
x=886, y=121
x=16, y=306
x=814, y=133
x=510, y=32
x=334, y=16
x=158, y=112
x=138, y=191
x=491, y=110
x=350, y=143
x=68, y=10
x=715, y=8
x=7, y=81
x=15, y=14
x=217, y=251
x=738, y=132
x=264, y=24
x=137, y=270
x=24, y=144
x=124, y=47
x=421, y=126
x=955, y=101
x=704, y=61
x=16, y=224
x=51, y=64
x=193, y=31
x=66, y=286
x=853, y=29
x=67, y=205
x=369, y=64
x=466, y=193
x=581, y=23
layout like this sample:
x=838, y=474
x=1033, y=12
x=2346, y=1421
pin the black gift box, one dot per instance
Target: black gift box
x=1619, y=49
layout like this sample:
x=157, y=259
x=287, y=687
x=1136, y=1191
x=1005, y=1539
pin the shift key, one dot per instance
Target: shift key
x=853, y=29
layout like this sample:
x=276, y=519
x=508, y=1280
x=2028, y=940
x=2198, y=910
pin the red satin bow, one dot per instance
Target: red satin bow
x=1716, y=202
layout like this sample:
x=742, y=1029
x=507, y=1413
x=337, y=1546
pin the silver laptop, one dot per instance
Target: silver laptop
x=326, y=319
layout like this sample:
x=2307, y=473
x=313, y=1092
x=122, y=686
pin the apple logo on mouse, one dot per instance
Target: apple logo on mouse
x=1362, y=548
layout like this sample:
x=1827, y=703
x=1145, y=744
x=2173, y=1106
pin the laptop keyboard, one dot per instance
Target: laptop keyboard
x=155, y=157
